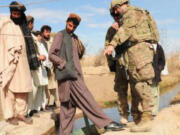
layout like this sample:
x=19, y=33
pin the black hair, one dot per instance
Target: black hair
x=45, y=27
x=74, y=20
x=36, y=33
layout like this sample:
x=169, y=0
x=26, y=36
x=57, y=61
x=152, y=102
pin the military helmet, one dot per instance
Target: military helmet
x=17, y=6
x=117, y=2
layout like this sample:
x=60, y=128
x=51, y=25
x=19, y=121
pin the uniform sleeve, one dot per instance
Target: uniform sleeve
x=55, y=51
x=109, y=35
x=121, y=36
x=125, y=31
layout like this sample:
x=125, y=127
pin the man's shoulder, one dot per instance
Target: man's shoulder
x=75, y=36
x=134, y=11
x=4, y=20
x=132, y=16
x=60, y=33
x=135, y=8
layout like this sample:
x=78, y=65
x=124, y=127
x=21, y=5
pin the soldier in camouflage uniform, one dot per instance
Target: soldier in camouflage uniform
x=121, y=80
x=140, y=30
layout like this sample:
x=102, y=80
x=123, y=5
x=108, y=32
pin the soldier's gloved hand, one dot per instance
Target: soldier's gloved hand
x=109, y=50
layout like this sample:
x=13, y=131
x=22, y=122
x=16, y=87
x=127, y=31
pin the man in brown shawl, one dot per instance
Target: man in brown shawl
x=65, y=53
x=16, y=59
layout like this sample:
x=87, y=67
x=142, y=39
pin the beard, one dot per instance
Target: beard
x=17, y=21
x=47, y=38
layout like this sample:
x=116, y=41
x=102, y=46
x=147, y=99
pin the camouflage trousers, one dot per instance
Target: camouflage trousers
x=155, y=92
x=121, y=87
x=141, y=73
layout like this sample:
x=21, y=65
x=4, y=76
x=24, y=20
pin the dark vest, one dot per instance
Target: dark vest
x=66, y=53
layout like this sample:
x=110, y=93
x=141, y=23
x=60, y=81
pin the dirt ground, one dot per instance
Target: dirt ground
x=100, y=83
x=101, y=87
x=167, y=122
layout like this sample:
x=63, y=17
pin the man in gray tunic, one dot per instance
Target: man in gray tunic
x=65, y=53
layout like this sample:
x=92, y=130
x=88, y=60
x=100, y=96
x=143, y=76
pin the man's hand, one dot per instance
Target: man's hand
x=42, y=57
x=109, y=50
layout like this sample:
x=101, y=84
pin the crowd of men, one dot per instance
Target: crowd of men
x=30, y=82
x=33, y=66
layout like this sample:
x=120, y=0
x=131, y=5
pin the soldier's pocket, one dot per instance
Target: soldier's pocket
x=145, y=72
x=142, y=57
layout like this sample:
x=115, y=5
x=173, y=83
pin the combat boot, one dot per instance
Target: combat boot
x=136, y=120
x=144, y=125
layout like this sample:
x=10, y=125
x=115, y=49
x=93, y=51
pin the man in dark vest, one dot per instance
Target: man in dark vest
x=65, y=53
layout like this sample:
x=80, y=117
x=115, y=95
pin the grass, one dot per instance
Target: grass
x=109, y=104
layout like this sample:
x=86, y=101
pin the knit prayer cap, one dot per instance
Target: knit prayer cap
x=73, y=15
x=29, y=19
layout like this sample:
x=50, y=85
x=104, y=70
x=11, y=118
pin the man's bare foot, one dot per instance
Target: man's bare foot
x=24, y=119
x=12, y=121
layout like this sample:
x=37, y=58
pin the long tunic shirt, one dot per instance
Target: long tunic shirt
x=74, y=93
x=14, y=67
x=53, y=56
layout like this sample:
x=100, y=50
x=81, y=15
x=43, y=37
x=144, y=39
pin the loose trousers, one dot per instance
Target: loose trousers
x=80, y=97
x=13, y=104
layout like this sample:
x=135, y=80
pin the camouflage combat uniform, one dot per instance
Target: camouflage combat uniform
x=122, y=79
x=136, y=29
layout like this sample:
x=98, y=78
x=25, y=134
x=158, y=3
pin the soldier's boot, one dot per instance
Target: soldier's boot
x=144, y=125
x=136, y=120
x=124, y=119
